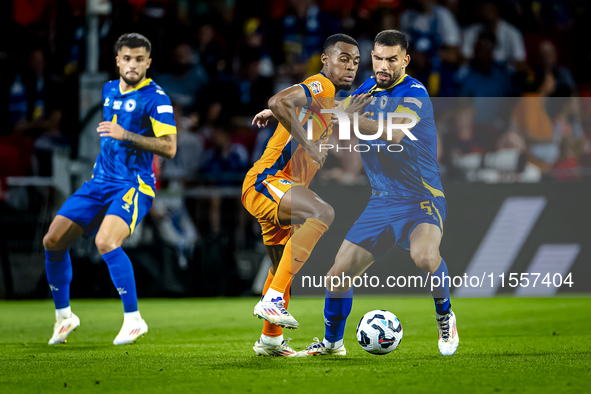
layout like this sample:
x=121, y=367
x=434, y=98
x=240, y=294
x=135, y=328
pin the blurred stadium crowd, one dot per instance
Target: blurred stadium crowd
x=509, y=80
x=220, y=61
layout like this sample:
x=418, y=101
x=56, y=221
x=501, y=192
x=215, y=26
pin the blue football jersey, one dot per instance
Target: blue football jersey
x=144, y=110
x=414, y=171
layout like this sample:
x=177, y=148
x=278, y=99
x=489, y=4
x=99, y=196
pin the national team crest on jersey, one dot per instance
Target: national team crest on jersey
x=129, y=105
x=315, y=87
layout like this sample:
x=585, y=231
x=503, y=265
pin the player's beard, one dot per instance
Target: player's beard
x=133, y=82
x=385, y=85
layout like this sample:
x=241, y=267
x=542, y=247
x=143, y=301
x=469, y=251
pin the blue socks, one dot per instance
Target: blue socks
x=337, y=308
x=441, y=293
x=122, y=275
x=59, y=275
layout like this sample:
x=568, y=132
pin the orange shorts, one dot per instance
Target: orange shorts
x=261, y=195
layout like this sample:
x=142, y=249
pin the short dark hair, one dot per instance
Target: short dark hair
x=332, y=41
x=391, y=38
x=133, y=40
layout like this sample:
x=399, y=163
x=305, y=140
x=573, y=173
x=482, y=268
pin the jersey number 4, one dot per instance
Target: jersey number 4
x=128, y=197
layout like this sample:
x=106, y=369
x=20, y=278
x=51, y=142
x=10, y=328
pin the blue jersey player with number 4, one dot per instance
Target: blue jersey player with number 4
x=407, y=207
x=138, y=123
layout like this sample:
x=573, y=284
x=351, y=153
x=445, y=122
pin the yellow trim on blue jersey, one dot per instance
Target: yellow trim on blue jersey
x=440, y=221
x=137, y=87
x=114, y=119
x=161, y=129
x=434, y=192
x=406, y=110
x=346, y=102
x=376, y=89
x=145, y=188
x=134, y=217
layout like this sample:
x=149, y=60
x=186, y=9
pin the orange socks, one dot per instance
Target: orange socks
x=296, y=253
x=268, y=281
x=271, y=330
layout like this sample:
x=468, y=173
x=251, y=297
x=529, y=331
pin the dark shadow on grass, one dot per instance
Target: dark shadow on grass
x=263, y=363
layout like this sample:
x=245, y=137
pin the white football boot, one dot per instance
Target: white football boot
x=132, y=329
x=317, y=348
x=263, y=349
x=275, y=313
x=448, y=333
x=64, y=327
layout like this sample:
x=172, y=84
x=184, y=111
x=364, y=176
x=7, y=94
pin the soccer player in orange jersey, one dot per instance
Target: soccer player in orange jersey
x=275, y=190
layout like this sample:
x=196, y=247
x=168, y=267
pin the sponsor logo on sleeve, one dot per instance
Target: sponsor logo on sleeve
x=164, y=109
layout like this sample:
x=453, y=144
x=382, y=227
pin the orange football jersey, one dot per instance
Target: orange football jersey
x=283, y=156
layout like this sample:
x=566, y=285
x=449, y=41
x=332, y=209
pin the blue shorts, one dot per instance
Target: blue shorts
x=95, y=200
x=389, y=220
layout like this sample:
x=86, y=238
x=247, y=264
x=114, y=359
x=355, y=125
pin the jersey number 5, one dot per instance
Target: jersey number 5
x=425, y=205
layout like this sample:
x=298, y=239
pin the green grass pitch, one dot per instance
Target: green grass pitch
x=507, y=345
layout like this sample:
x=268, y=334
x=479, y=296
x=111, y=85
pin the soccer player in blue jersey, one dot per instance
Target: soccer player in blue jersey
x=407, y=207
x=138, y=123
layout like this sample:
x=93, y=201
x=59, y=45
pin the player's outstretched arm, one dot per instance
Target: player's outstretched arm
x=284, y=111
x=164, y=146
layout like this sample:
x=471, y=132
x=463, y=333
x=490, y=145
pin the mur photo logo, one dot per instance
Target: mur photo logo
x=394, y=121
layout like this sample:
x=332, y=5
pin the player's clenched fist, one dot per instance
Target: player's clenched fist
x=113, y=130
